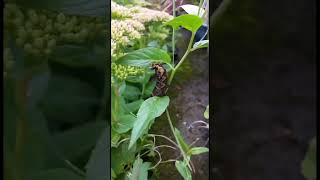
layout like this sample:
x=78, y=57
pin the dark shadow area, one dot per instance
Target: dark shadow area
x=262, y=89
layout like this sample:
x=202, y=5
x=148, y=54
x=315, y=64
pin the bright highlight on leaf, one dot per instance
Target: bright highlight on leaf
x=187, y=21
x=200, y=44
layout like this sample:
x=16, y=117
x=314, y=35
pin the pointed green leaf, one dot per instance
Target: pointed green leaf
x=183, y=170
x=198, y=150
x=150, y=109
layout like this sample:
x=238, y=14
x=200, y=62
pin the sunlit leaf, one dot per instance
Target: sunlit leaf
x=200, y=44
x=206, y=113
x=187, y=21
x=198, y=150
x=309, y=164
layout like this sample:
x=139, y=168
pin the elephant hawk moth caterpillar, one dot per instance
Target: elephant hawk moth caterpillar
x=161, y=80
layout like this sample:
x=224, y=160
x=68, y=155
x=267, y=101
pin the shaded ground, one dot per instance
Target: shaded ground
x=189, y=97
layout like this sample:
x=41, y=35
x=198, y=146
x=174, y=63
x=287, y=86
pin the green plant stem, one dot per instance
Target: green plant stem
x=182, y=59
x=173, y=31
x=171, y=125
x=200, y=6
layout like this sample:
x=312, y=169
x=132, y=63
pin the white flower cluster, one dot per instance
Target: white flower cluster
x=38, y=32
x=128, y=23
x=123, y=31
x=146, y=15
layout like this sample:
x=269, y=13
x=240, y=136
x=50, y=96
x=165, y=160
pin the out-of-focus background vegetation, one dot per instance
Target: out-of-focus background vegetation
x=55, y=114
x=263, y=60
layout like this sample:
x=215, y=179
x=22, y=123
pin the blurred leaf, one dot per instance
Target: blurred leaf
x=79, y=139
x=69, y=100
x=181, y=141
x=183, y=170
x=121, y=156
x=134, y=106
x=149, y=88
x=124, y=123
x=95, y=8
x=140, y=170
x=150, y=109
x=54, y=174
x=115, y=137
x=131, y=93
x=206, y=113
x=188, y=21
x=309, y=164
x=145, y=57
x=200, y=44
x=98, y=166
x=90, y=55
x=198, y=150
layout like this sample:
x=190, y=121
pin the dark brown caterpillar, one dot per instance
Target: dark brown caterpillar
x=161, y=80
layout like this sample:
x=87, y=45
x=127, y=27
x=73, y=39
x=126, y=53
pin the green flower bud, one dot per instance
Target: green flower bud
x=36, y=33
x=51, y=44
x=28, y=48
x=47, y=51
x=28, y=25
x=42, y=18
x=20, y=41
x=22, y=33
x=38, y=43
x=61, y=18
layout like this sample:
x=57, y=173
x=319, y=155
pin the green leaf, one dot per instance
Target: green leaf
x=181, y=141
x=200, y=44
x=115, y=137
x=98, y=166
x=145, y=57
x=151, y=108
x=131, y=93
x=80, y=55
x=121, y=156
x=206, y=113
x=188, y=21
x=309, y=164
x=124, y=123
x=79, y=140
x=54, y=174
x=149, y=88
x=198, y=150
x=133, y=106
x=69, y=99
x=140, y=170
x=183, y=170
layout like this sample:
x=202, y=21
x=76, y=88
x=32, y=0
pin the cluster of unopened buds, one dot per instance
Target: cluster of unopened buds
x=38, y=32
x=122, y=72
